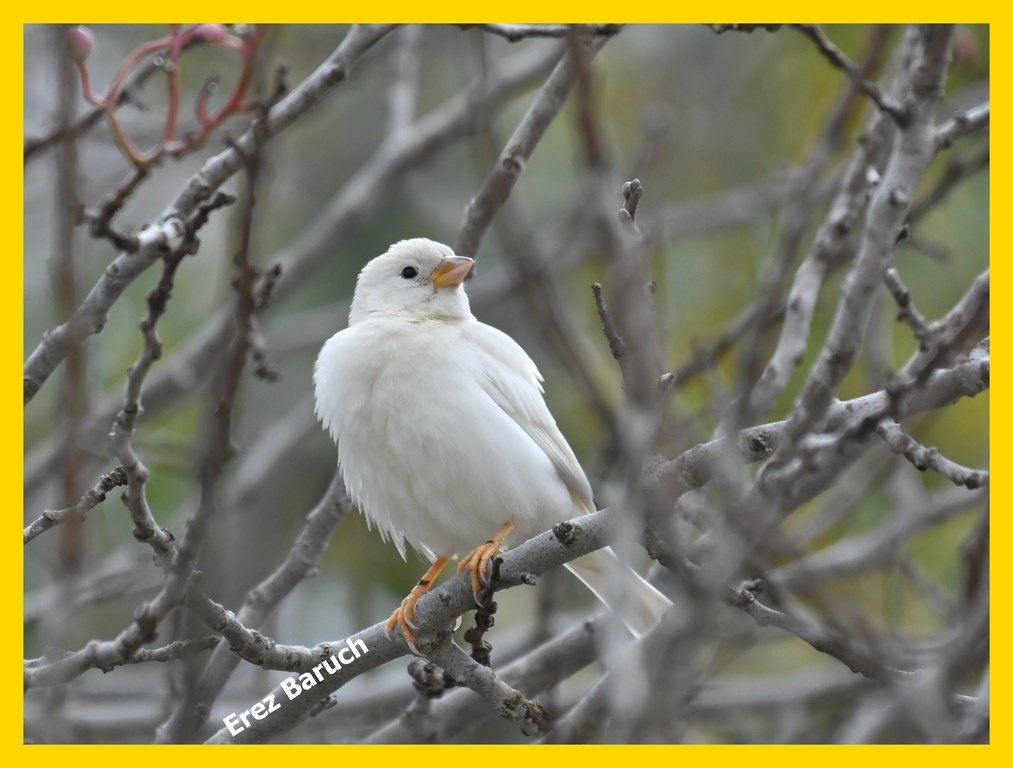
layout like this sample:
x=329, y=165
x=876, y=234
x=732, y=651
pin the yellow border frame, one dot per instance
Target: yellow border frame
x=11, y=311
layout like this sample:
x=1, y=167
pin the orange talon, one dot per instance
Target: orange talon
x=405, y=613
x=477, y=561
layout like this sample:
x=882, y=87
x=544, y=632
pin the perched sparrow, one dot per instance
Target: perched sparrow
x=444, y=439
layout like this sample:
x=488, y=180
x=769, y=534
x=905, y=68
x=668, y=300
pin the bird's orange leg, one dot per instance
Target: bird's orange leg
x=478, y=560
x=403, y=616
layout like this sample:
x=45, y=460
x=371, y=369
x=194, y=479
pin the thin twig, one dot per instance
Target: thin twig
x=952, y=333
x=906, y=310
x=720, y=29
x=826, y=641
x=707, y=354
x=616, y=344
x=124, y=426
x=178, y=649
x=501, y=179
x=895, y=109
x=89, y=501
x=923, y=457
x=515, y=32
x=962, y=123
x=509, y=703
x=101, y=219
x=958, y=168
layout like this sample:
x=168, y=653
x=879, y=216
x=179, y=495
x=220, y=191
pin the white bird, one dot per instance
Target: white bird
x=443, y=433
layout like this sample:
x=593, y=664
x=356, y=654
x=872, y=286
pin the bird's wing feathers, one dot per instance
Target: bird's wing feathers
x=511, y=379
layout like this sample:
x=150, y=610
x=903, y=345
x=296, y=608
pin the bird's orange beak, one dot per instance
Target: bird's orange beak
x=451, y=271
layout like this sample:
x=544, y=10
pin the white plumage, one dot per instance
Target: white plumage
x=442, y=430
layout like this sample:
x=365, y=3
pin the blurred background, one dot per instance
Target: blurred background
x=717, y=127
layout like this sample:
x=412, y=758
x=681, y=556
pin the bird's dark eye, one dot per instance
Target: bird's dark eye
x=409, y=272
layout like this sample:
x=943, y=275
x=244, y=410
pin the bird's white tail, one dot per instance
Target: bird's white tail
x=643, y=604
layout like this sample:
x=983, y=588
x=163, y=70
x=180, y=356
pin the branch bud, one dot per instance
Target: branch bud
x=80, y=41
x=211, y=33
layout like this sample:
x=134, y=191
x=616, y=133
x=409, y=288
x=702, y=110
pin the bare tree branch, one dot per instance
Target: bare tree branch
x=191, y=712
x=828, y=248
x=825, y=641
x=502, y=178
x=180, y=649
x=514, y=32
x=88, y=502
x=923, y=457
x=887, y=211
x=89, y=318
x=907, y=311
x=962, y=123
x=534, y=673
x=896, y=110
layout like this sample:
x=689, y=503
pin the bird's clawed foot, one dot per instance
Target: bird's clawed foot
x=402, y=618
x=405, y=613
x=479, y=560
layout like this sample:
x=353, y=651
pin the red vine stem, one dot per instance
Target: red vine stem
x=173, y=47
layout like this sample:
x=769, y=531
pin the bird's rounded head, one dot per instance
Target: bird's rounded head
x=418, y=278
